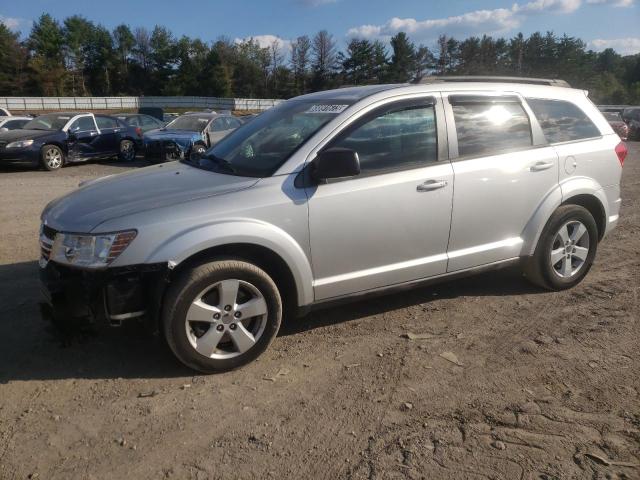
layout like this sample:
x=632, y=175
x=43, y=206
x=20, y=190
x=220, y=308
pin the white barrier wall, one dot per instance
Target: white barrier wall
x=119, y=103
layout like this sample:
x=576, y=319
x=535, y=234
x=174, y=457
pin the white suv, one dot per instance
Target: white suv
x=334, y=195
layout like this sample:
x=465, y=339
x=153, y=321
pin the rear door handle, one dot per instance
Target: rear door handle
x=430, y=185
x=540, y=166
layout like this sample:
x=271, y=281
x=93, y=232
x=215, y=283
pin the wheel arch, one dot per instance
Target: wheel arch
x=61, y=145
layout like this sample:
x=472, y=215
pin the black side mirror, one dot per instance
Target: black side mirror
x=336, y=163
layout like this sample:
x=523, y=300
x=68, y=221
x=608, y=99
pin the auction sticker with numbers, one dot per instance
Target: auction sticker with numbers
x=327, y=108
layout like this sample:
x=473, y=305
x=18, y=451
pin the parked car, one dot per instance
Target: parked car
x=4, y=112
x=142, y=122
x=632, y=117
x=336, y=195
x=56, y=139
x=169, y=117
x=618, y=124
x=12, y=123
x=188, y=135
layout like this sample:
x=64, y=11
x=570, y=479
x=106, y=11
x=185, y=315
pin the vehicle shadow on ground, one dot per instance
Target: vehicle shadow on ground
x=139, y=162
x=32, y=349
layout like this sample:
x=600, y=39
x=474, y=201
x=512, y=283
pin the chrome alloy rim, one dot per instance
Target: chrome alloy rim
x=53, y=157
x=127, y=150
x=226, y=319
x=570, y=249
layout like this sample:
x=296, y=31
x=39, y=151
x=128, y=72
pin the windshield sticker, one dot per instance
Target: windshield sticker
x=327, y=109
x=64, y=118
x=203, y=120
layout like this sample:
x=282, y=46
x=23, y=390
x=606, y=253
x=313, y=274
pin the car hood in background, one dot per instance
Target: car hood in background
x=21, y=134
x=181, y=137
x=148, y=188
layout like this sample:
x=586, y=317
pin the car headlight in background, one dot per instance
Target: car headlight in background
x=90, y=251
x=20, y=144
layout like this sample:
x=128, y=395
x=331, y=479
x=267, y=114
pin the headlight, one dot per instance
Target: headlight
x=90, y=251
x=20, y=144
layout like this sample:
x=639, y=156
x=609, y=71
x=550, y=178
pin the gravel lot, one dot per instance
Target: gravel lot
x=546, y=385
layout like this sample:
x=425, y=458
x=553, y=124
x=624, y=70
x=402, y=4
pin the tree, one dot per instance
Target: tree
x=78, y=33
x=300, y=60
x=46, y=45
x=403, y=59
x=124, y=44
x=324, y=59
x=13, y=60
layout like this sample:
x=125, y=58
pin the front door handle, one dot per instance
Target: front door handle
x=540, y=166
x=93, y=134
x=431, y=185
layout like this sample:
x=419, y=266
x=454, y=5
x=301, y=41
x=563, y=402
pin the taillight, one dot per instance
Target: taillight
x=139, y=131
x=621, y=151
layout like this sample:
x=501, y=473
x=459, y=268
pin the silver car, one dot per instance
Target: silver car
x=336, y=195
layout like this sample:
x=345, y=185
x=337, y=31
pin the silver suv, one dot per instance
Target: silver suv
x=335, y=195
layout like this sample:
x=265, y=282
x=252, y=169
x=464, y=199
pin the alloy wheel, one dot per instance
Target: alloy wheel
x=53, y=158
x=127, y=150
x=570, y=249
x=226, y=319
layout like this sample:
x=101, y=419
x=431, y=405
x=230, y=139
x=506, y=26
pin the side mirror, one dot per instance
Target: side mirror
x=336, y=163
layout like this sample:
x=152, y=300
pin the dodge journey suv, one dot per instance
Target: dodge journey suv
x=336, y=195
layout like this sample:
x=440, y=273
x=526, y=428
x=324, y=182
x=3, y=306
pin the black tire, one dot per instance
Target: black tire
x=127, y=150
x=539, y=268
x=187, y=288
x=52, y=158
x=197, y=151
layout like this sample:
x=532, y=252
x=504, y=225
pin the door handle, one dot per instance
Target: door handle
x=540, y=166
x=93, y=134
x=431, y=185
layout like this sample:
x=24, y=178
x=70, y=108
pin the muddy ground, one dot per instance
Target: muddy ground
x=546, y=385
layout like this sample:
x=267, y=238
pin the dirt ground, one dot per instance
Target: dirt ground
x=546, y=385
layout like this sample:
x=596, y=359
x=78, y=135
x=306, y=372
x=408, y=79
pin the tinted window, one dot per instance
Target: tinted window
x=487, y=128
x=396, y=139
x=105, y=123
x=83, y=124
x=14, y=124
x=233, y=122
x=52, y=121
x=149, y=122
x=193, y=123
x=562, y=121
x=218, y=125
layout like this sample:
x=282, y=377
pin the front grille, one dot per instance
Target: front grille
x=47, y=237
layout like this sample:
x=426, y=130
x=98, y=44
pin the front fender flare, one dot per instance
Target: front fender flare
x=185, y=244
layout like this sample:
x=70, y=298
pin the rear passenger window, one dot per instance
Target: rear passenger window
x=396, y=139
x=490, y=127
x=562, y=121
x=105, y=123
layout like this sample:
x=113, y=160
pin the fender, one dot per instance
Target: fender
x=185, y=244
x=567, y=189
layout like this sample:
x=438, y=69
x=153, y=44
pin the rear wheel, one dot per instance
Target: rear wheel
x=127, y=151
x=221, y=315
x=566, y=249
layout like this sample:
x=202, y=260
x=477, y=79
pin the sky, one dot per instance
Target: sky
x=600, y=23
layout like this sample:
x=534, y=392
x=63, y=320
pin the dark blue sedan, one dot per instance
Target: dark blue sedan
x=57, y=139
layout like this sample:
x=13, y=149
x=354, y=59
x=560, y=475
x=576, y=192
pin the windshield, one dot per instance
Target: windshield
x=193, y=123
x=613, y=117
x=53, y=121
x=259, y=148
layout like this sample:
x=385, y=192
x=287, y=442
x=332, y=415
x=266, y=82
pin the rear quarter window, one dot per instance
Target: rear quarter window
x=562, y=121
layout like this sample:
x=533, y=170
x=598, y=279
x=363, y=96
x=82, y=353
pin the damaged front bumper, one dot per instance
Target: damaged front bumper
x=111, y=296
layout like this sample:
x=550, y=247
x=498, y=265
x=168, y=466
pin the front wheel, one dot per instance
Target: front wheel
x=197, y=151
x=51, y=157
x=565, y=250
x=127, y=151
x=221, y=315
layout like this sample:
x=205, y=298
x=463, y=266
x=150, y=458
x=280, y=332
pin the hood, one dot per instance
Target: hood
x=116, y=196
x=21, y=134
x=178, y=136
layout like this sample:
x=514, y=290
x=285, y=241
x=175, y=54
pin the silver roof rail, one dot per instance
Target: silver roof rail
x=555, y=82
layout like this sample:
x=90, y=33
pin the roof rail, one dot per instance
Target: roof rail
x=482, y=78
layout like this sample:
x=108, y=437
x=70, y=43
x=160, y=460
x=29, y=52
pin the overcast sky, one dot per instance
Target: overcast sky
x=601, y=23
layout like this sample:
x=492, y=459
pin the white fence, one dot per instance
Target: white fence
x=120, y=103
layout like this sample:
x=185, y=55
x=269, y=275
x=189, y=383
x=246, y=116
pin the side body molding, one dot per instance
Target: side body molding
x=187, y=243
x=571, y=187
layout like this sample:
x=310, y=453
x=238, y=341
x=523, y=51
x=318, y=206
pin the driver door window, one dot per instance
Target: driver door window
x=397, y=139
x=83, y=124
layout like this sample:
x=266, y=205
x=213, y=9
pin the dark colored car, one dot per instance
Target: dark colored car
x=13, y=123
x=618, y=124
x=632, y=118
x=55, y=139
x=140, y=121
x=187, y=136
